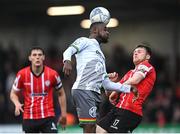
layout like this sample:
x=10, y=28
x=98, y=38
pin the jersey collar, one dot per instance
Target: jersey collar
x=35, y=74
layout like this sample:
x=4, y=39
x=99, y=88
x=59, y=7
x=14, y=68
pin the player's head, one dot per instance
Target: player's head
x=99, y=31
x=36, y=56
x=141, y=53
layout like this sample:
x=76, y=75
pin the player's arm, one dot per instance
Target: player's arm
x=134, y=80
x=62, y=103
x=77, y=46
x=67, y=68
x=14, y=94
x=15, y=99
x=109, y=85
x=113, y=76
x=61, y=100
x=139, y=75
x=113, y=96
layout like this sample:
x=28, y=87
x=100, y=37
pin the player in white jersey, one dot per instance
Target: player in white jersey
x=91, y=75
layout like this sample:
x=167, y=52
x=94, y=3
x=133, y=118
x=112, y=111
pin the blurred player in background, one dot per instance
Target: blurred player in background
x=91, y=75
x=127, y=112
x=37, y=82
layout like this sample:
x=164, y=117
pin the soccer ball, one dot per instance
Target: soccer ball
x=99, y=14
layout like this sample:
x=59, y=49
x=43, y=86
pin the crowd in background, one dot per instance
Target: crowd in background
x=162, y=106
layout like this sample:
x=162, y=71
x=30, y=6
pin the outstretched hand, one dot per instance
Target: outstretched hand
x=135, y=92
x=113, y=76
x=62, y=121
x=67, y=68
x=113, y=97
x=18, y=109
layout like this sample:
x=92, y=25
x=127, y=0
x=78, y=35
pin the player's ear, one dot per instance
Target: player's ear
x=29, y=58
x=43, y=57
x=148, y=56
x=95, y=30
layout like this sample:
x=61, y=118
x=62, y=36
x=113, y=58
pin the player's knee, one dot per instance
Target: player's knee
x=100, y=129
x=89, y=128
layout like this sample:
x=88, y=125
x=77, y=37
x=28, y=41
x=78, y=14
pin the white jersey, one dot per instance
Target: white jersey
x=90, y=65
x=90, y=60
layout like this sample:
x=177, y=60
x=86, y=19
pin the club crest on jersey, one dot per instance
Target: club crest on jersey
x=92, y=112
x=47, y=83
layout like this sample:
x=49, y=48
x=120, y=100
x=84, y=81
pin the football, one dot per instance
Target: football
x=99, y=14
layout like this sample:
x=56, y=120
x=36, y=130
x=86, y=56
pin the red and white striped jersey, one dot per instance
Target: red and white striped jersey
x=144, y=88
x=37, y=91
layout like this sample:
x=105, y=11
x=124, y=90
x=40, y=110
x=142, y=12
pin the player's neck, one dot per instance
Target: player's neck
x=37, y=70
x=94, y=36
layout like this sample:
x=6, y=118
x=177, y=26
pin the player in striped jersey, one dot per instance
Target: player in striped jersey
x=37, y=82
x=127, y=113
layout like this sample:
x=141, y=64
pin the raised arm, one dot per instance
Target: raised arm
x=77, y=46
x=67, y=68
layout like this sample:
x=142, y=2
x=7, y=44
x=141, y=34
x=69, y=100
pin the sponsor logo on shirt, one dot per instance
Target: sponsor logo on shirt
x=38, y=94
x=27, y=83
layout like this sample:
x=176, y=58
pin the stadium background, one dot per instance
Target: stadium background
x=24, y=23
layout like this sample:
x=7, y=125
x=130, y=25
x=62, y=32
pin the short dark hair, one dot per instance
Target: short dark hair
x=146, y=46
x=36, y=48
x=94, y=24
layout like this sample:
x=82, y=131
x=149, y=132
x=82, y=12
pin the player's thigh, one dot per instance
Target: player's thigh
x=86, y=103
x=30, y=126
x=100, y=129
x=105, y=107
x=106, y=121
x=49, y=126
x=124, y=122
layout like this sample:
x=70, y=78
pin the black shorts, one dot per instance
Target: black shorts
x=120, y=121
x=46, y=125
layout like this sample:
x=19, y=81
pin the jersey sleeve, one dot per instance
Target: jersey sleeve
x=79, y=44
x=125, y=77
x=122, y=80
x=143, y=69
x=109, y=85
x=58, y=83
x=18, y=82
